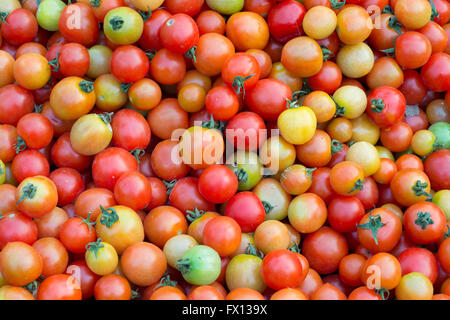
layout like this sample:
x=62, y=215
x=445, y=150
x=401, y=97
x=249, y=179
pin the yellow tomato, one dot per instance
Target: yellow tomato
x=356, y=60
x=365, y=130
x=423, y=142
x=279, y=72
x=109, y=95
x=297, y=125
x=384, y=152
x=366, y=155
x=277, y=154
x=414, y=286
x=91, y=134
x=2, y=172
x=101, y=258
x=351, y=101
x=442, y=200
x=319, y=22
x=176, y=247
x=321, y=103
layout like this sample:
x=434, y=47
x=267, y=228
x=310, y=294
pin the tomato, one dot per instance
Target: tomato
x=84, y=276
x=419, y=260
x=14, y=293
x=251, y=125
x=241, y=71
x=167, y=67
x=50, y=224
x=84, y=29
x=6, y=68
x=112, y=287
x=145, y=94
x=346, y=178
x=119, y=226
x=414, y=286
x=35, y=130
x=410, y=186
x=91, y=134
x=186, y=197
x=397, y=137
x=109, y=164
x=199, y=220
x=307, y=213
x=123, y=26
x=176, y=247
x=328, y=79
x=281, y=269
x=325, y=260
x=350, y=269
x=212, y=51
x=180, y=34
x=381, y=38
x=69, y=185
x=59, y=287
x=19, y=27
x=89, y=201
x=63, y=155
x=247, y=209
x=302, y=56
x=36, y=196
x=386, y=171
x=158, y=119
x=200, y=265
x=150, y=38
x=275, y=200
x=15, y=102
x=413, y=14
x=223, y=234
x=210, y=21
x=436, y=72
x=403, y=54
x=355, y=60
x=205, y=293
x=54, y=256
x=268, y=98
x=382, y=271
x=350, y=101
x=296, y=179
x=168, y=293
x=226, y=7
x=328, y=292
x=163, y=223
x=214, y=191
x=16, y=226
x=133, y=190
x=297, y=125
x=76, y=233
x=247, y=30
x=130, y=130
x=271, y=235
x=437, y=36
x=437, y=173
x=222, y=103
x=424, y=223
x=20, y=263
x=129, y=64
x=285, y=20
x=166, y=167
x=344, y=213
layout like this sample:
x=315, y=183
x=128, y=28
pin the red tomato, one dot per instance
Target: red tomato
x=59, y=287
x=285, y=20
x=281, y=269
x=419, y=260
x=15, y=226
x=344, y=213
x=180, y=34
x=247, y=209
x=129, y=64
x=217, y=183
x=19, y=27
x=150, y=39
x=86, y=32
x=15, y=102
x=387, y=106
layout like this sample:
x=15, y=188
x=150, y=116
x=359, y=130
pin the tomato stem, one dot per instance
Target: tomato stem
x=94, y=3
x=267, y=206
x=166, y=282
x=447, y=233
x=28, y=191
x=419, y=190
x=377, y=105
x=252, y=250
x=190, y=54
x=150, y=54
x=3, y=16
x=423, y=220
x=395, y=25
x=88, y=222
x=340, y=111
x=108, y=216
x=240, y=174
x=20, y=145
x=327, y=53
x=359, y=185
x=116, y=22
x=183, y=265
x=213, y=124
x=309, y=171
x=32, y=287
x=137, y=154
x=388, y=9
x=38, y=108
x=294, y=248
x=336, y=146
x=434, y=12
x=170, y=185
x=383, y=293
x=373, y=225
x=238, y=84
x=337, y=4
x=86, y=86
x=193, y=215
x=55, y=63
x=95, y=246
x=135, y=294
x=145, y=14
x=125, y=87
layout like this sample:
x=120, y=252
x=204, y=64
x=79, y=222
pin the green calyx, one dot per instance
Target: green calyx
x=434, y=12
x=340, y=111
x=391, y=51
x=267, y=206
x=28, y=192
x=388, y=9
x=336, y=146
x=295, y=248
x=86, y=86
x=20, y=145
x=193, y=215
x=145, y=14
x=377, y=105
x=419, y=190
x=116, y=22
x=125, y=87
x=213, y=124
x=32, y=287
x=108, y=216
x=373, y=225
x=38, y=108
x=359, y=185
x=327, y=53
x=94, y=3
x=395, y=25
x=383, y=293
x=3, y=16
x=166, y=282
x=238, y=84
x=137, y=154
x=54, y=64
x=423, y=220
x=135, y=295
x=95, y=246
x=309, y=172
x=150, y=54
x=88, y=221
x=252, y=250
x=337, y=4
x=190, y=54
x=240, y=174
x=183, y=265
x=169, y=185
x=106, y=117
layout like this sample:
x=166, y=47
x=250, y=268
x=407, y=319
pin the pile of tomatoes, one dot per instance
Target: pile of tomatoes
x=239, y=149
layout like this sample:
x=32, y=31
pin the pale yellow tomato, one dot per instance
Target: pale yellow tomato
x=366, y=155
x=297, y=125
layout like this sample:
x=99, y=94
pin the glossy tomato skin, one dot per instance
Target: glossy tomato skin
x=15, y=102
x=437, y=169
x=246, y=208
x=185, y=196
x=69, y=184
x=344, y=213
x=218, y=183
x=285, y=20
x=150, y=39
x=419, y=260
x=59, y=287
x=268, y=98
x=109, y=164
x=63, y=155
x=86, y=32
x=129, y=64
x=179, y=33
x=29, y=163
x=394, y=106
x=250, y=124
x=436, y=72
x=87, y=279
x=20, y=27
x=16, y=226
x=130, y=130
x=281, y=269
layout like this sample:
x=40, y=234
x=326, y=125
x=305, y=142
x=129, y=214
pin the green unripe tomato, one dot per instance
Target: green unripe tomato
x=442, y=200
x=48, y=14
x=247, y=167
x=200, y=265
x=442, y=132
x=226, y=6
x=123, y=26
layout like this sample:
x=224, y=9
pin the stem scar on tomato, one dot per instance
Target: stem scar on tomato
x=109, y=216
x=28, y=191
x=423, y=220
x=373, y=225
x=95, y=246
